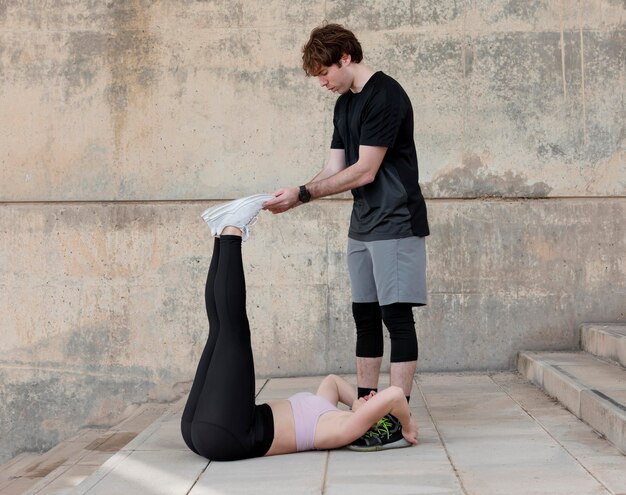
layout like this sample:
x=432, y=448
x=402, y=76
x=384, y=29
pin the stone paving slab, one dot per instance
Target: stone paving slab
x=75, y=459
x=145, y=416
x=281, y=388
x=147, y=472
x=42, y=469
x=417, y=470
x=16, y=487
x=18, y=464
x=480, y=434
x=410, y=471
x=71, y=476
x=599, y=457
x=495, y=446
x=302, y=473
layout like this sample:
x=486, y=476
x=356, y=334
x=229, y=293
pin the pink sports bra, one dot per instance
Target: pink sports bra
x=307, y=409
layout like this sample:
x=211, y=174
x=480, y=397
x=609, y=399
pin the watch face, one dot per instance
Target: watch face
x=304, y=195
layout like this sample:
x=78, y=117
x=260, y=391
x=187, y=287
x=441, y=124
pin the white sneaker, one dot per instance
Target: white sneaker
x=241, y=213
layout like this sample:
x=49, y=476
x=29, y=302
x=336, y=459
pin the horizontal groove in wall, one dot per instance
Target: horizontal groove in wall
x=205, y=200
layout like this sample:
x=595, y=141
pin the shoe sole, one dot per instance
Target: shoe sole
x=398, y=444
x=216, y=211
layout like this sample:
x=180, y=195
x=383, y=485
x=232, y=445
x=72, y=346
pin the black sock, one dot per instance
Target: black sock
x=362, y=392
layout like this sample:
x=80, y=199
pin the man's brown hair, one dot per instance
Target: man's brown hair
x=326, y=46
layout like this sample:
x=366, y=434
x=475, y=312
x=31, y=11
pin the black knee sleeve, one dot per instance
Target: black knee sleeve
x=369, y=329
x=399, y=321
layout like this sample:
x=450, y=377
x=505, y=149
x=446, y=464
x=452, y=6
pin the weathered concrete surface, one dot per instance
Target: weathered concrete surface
x=103, y=303
x=110, y=100
x=166, y=106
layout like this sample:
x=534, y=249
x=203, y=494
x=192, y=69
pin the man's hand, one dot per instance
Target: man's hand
x=284, y=199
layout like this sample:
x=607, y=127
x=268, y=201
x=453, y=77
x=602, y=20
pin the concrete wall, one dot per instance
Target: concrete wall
x=121, y=121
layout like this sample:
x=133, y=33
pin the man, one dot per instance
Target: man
x=373, y=155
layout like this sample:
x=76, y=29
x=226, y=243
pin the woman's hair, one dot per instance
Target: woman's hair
x=327, y=45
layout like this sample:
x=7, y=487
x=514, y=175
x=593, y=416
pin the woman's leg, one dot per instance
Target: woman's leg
x=223, y=426
x=207, y=353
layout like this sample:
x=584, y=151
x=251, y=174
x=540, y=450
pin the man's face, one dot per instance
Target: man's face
x=335, y=78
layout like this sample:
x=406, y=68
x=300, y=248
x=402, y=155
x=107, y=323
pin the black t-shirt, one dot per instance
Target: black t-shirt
x=392, y=206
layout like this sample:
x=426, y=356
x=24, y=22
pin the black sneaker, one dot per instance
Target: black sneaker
x=384, y=435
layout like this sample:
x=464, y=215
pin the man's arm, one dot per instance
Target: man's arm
x=335, y=164
x=326, y=184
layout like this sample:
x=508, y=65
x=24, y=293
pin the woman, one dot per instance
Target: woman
x=221, y=420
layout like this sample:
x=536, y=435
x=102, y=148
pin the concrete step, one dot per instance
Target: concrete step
x=70, y=462
x=607, y=341
x=480, y=433
x=592, y=389
x=27, y=471
x=15, y=475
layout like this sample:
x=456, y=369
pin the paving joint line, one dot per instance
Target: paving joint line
x=60, y=472
x=443, y=443
x=198, y=478
x=209, y=462
x=110, y=469
x=325, y=479
x=267, y=380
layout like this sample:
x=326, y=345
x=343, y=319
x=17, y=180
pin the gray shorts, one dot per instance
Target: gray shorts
x=389, y=271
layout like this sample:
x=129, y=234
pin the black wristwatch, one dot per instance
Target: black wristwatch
x=304, y=196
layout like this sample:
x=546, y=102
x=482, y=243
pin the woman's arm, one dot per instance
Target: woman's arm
x=340, y=428
x=335, y=389
x=389, y=401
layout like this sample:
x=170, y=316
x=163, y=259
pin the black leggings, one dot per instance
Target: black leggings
x=221, y=421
